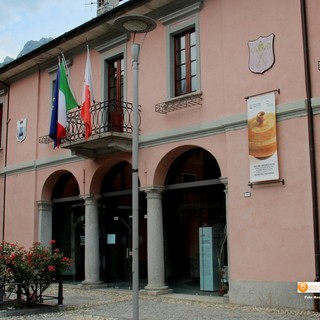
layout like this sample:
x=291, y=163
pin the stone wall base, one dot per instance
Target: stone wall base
x=269, y=294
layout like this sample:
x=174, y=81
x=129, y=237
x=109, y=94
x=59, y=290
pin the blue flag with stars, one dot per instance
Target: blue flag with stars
x=54, y=111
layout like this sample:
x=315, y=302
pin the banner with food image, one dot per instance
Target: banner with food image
x=262, y=136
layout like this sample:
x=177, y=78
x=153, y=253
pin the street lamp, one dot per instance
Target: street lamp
x=135, y=24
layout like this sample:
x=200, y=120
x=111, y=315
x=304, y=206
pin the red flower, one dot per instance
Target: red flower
x=12, y=256
x=52, y=242
x=52, y=268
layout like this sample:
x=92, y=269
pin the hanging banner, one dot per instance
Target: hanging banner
x=262, y=136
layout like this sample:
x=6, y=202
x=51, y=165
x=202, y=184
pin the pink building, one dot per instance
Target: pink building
x=217, y=212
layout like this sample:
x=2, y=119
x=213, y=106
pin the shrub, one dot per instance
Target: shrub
x=30, y=272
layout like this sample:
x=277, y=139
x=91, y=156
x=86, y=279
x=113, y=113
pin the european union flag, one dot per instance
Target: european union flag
x=54, y=111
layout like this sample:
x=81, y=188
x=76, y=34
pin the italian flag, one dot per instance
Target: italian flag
x=87, y=98
x=66, y=101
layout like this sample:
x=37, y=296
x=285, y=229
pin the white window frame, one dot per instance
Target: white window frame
x=176, y=23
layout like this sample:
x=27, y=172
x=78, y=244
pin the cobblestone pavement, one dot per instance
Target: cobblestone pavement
x=109, y=304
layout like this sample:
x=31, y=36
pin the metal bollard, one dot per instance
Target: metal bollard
x=19, y=292
x=60, y=292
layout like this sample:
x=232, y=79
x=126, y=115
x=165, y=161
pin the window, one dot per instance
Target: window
x=115, y=94
x=183, y=59
x=185, y=62
x=115, y=79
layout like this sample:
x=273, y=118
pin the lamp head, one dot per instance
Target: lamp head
x=135, y=24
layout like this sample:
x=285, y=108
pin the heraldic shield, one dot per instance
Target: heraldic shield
x=21, y=129
x=261, y=54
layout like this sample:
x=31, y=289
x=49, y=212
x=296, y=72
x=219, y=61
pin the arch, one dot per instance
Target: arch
x=167, y=161
x=102, y=170
x=193, y=203
x=118, y=178
x=196, y=164
x=65, y=186
x=52, y=180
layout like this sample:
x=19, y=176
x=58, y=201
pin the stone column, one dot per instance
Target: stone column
x=156, y=275
x=45, y=222
x=91, y=249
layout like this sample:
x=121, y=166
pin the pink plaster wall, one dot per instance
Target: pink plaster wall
x=270, y=233
x=225, y=76
x=21, y=209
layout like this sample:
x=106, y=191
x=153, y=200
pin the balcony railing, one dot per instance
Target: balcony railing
x=111, y=126
x=107, y=116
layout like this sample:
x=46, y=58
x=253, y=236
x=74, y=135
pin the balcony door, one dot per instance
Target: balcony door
x=115, y=94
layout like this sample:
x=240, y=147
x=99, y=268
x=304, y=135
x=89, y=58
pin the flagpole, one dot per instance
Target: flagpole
x=65, y=65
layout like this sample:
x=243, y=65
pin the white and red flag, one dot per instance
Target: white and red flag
x=87, y=98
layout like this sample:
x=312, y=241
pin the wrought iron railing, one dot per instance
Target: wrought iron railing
x=28, y=293
x=107, y=116
x=180, y=102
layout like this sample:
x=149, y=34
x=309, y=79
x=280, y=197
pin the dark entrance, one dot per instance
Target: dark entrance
x=68, y=224
x=116, y=227
x=194, y=198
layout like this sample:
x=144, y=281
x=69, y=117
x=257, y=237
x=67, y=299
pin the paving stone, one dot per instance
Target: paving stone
x=110, y=304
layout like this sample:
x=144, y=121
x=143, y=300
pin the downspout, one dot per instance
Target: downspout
x=5, y=163
x=311, y=148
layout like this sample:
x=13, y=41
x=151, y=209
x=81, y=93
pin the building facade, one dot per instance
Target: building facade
x=210, y=217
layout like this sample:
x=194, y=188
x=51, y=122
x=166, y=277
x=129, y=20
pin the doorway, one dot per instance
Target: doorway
x=115, y=223
x=68, y=215
x=194, y=199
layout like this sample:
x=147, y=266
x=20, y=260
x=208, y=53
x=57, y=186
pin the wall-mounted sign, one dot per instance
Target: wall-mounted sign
x=261, y=54
x=111, y=238
x=21, y=129
x=210, y=239
x=262, y=136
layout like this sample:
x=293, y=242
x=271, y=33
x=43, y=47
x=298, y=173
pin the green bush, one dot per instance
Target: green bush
x=30, y=272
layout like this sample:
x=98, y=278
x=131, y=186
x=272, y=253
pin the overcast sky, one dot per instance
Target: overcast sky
x=24, y=20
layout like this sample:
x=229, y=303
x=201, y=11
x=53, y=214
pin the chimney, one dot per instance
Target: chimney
x=106, y=5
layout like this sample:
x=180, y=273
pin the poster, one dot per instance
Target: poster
x=262, y=138
x=111, y=239
x=210, y=239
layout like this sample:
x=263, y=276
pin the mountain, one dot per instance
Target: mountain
x=6, y=61
x=28, y=47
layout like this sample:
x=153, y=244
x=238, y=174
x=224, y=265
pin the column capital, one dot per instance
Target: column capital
x=152, y=189
x=90, y=197
x=44, y=204
x=224, y=180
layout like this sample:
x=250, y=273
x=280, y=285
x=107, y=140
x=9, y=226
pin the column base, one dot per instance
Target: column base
x=91, y=284
x=155, y=291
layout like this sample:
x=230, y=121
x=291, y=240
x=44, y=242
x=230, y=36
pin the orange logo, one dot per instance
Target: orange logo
x=302, y=287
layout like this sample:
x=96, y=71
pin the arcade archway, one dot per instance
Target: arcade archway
x=68, y=223
x=115, y=222
x=194, y=201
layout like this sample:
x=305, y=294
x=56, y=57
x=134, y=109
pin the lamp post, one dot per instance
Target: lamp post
x=135, y=24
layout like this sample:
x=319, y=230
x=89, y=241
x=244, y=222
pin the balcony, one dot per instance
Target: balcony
x=111, y=130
